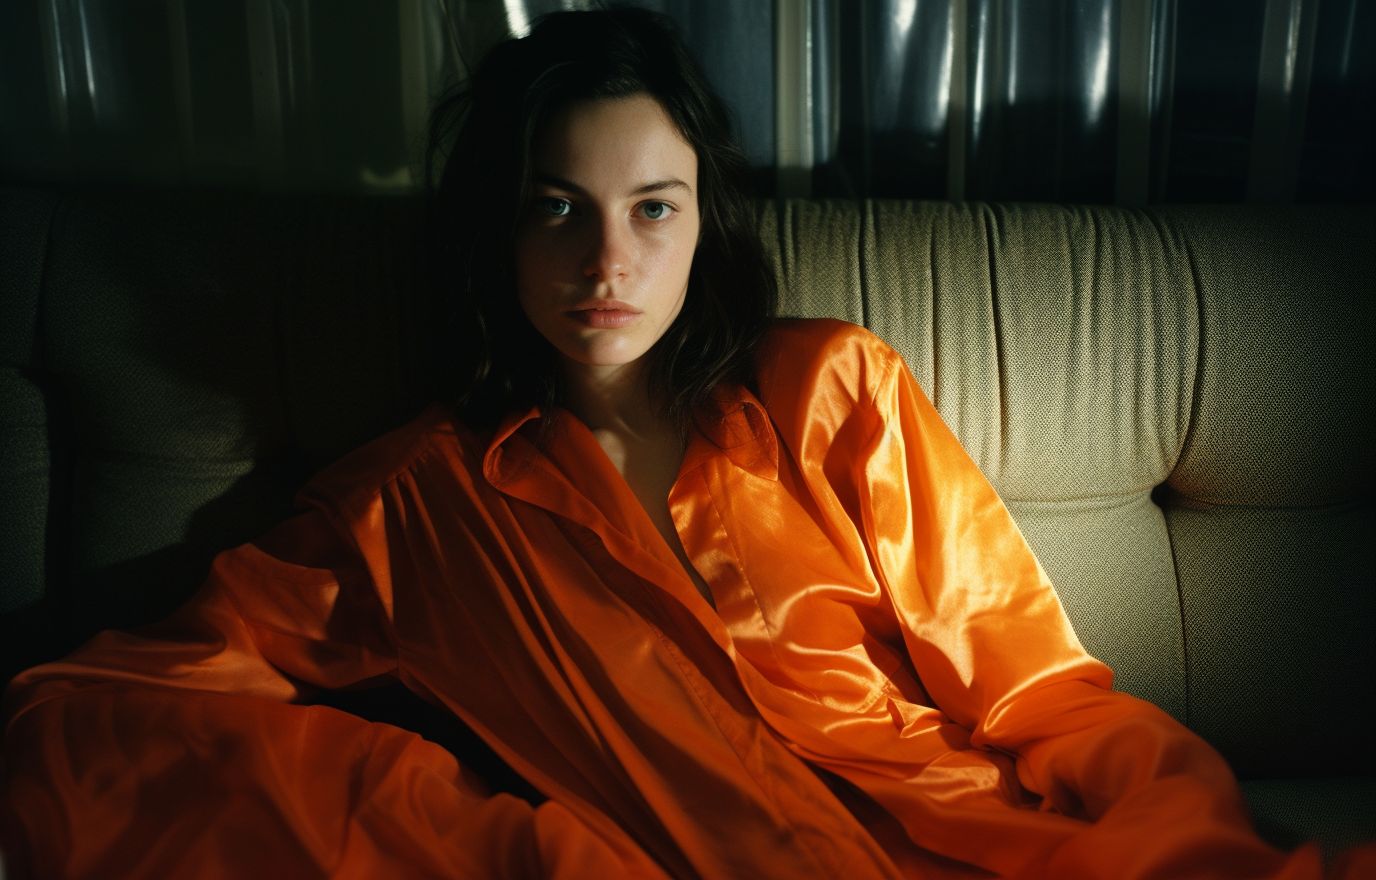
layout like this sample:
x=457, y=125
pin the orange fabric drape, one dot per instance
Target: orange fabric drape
x=884, y=684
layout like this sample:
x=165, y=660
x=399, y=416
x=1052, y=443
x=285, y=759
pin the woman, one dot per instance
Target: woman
x=727, y=593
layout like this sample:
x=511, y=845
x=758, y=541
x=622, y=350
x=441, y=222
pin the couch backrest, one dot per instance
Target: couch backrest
x=1176, y=406
x=1173, y=403
x=171, y=369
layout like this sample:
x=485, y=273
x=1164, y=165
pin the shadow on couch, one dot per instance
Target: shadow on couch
x=1172, y=402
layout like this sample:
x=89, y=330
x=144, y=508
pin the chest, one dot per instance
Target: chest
x=650, y=467
x=791, y=595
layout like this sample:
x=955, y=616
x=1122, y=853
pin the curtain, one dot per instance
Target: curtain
x=1127, y=101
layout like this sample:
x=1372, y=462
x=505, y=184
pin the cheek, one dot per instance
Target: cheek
x=533, y=264
x=544, y=256
x=678, y=256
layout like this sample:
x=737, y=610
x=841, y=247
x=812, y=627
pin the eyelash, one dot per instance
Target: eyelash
x=668, y=210
x=545, y=203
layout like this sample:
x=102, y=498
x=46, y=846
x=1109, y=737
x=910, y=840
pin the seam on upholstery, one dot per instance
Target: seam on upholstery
x=1180, y=615
x=862, y=266
x=1163, y=241
x=1165, y=236
x=1079, y=502
x=1000, y=366
x=58, y=544
x=1190, y=502
x=934, y=391
x=1211, y=502
x=1197, y=380
x=1185, y=438
x=781, y=217
x=38, y=349
x=37, y=354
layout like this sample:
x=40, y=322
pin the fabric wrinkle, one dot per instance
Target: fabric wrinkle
x=887, y=686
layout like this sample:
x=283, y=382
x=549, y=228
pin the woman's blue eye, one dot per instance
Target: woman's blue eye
x=655, y=210
x=553, y=207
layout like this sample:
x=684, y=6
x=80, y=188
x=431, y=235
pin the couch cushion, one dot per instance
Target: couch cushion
x=1278, y=611
x=1270, y=505
x=1337, y=812
x=1285, y=388
x=1060, y=346
x=25, y=218
x=208, y=352
x=1097, y=361
x=26, y=625
x=202, y=353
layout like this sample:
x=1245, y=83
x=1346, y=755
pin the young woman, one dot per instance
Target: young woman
x=726, y=592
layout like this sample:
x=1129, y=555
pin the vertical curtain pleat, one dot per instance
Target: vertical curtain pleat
x=1132, y=101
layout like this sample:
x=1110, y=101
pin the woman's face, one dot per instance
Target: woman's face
x=605, y=246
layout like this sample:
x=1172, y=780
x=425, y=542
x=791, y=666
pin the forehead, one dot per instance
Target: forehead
x=607, y=140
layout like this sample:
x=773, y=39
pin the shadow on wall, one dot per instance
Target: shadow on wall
x=200, y=356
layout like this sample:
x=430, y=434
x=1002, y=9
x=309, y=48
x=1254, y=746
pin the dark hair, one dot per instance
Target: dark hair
x=493, y=357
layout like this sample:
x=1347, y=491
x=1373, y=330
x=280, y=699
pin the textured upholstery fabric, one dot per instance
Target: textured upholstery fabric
x=1277, y=605
x=1336, y=811
x=25, y=453
x=199, y=358
x=1056, y=343
x=24, y=222
x=1174, y=403
x=1098, y=360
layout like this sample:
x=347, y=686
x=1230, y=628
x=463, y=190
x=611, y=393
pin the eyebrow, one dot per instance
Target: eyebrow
x=653, y=186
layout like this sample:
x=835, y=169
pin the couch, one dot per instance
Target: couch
x=1174, y=402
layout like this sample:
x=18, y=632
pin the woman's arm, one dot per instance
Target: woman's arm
x=175, y=750
x=994, y=649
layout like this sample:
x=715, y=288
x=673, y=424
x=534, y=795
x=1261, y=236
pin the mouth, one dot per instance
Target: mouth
x=604, y=313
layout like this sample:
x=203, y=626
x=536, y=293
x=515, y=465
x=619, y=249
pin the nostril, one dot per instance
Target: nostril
x=607, y=255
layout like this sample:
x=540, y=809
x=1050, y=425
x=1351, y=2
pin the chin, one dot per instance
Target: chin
x=585, y=358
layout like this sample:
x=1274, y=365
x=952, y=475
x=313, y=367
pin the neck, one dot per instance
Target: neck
x=616, y=399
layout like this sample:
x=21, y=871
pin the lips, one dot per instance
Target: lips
x=604, y=314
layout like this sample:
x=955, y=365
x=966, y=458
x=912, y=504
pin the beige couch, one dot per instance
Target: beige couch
x=1174, y=403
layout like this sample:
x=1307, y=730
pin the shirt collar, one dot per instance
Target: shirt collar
x=502, y=456
x=734, y=422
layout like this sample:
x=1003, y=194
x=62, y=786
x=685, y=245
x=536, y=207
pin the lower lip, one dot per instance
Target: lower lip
x=605, y=319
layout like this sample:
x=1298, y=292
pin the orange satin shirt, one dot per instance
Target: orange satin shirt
x=884, y=685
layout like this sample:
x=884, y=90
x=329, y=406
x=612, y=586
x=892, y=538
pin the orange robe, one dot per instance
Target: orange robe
x=884, y=685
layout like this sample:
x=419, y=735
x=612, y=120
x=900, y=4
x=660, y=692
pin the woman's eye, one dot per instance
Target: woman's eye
x=656, y=210
x=553, y=207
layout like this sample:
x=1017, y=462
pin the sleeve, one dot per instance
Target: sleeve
x=176, y=750
x=993, y=646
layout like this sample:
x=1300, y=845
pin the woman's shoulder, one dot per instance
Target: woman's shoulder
x=434, y=434
x=822, y=355
x=796, y=340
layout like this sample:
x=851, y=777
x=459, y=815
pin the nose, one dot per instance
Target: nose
x=609, y=252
